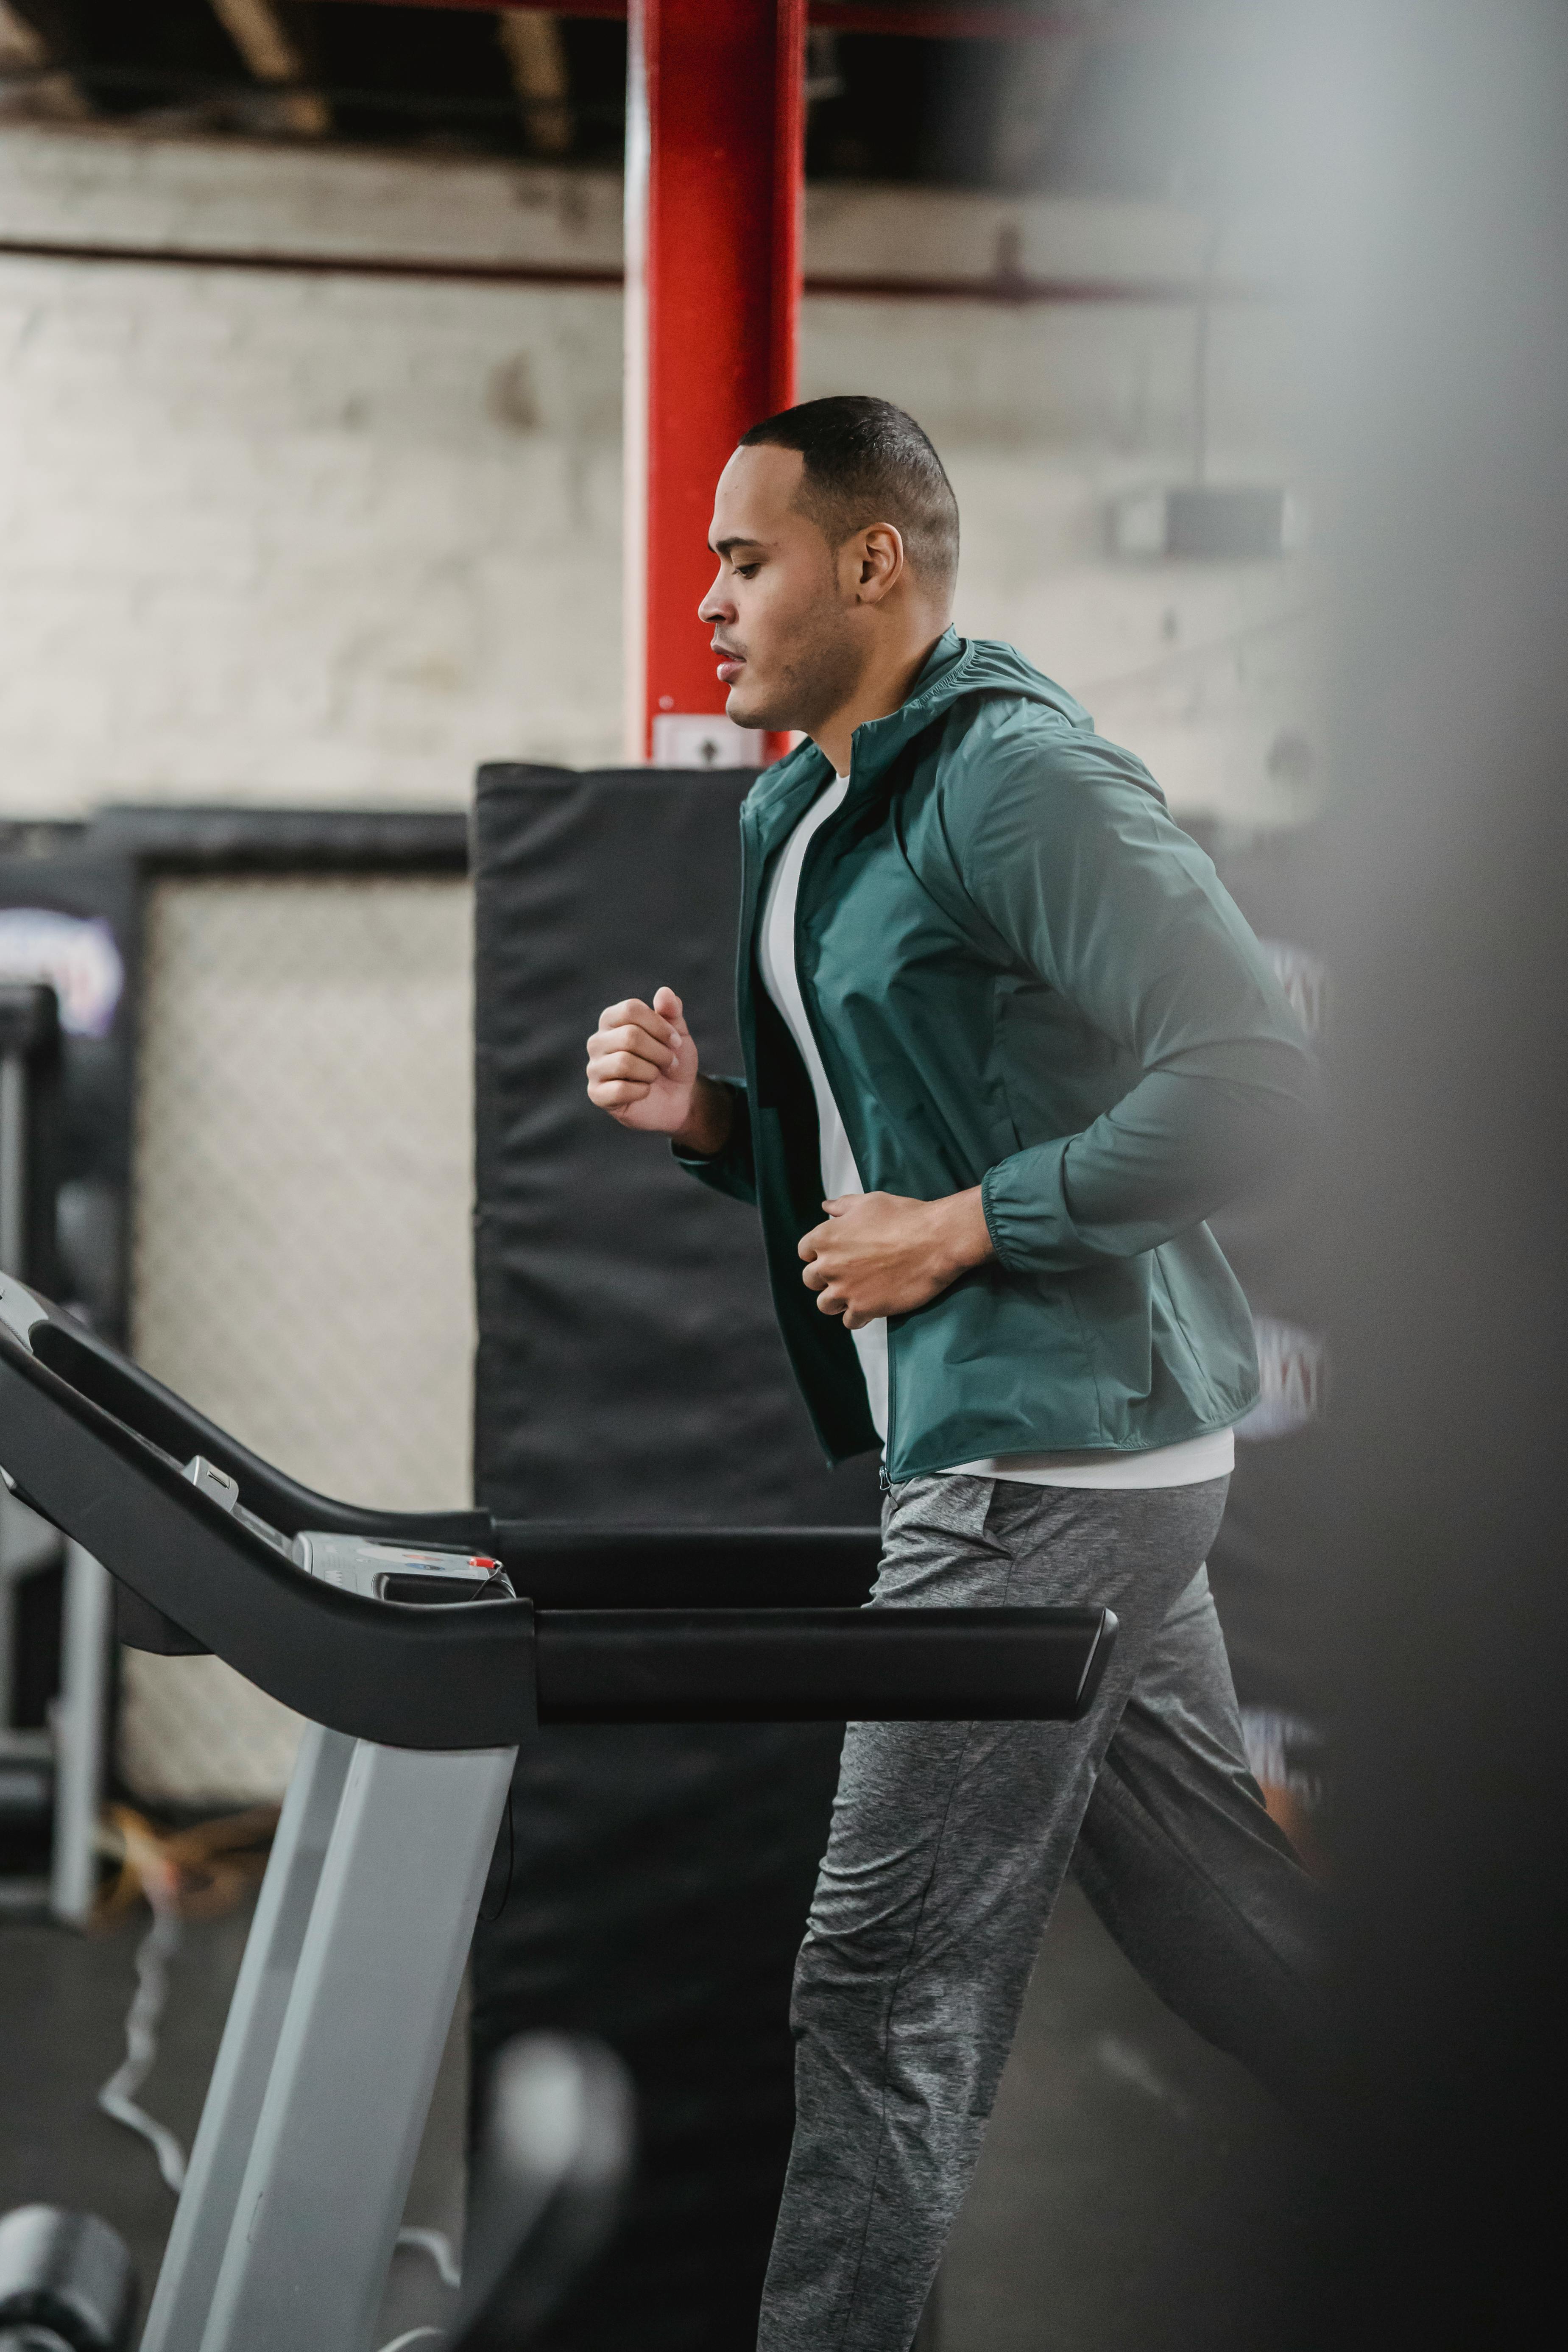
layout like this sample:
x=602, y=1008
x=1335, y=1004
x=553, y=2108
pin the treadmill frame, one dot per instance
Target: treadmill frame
x=316, y=2103
x=299, y=2172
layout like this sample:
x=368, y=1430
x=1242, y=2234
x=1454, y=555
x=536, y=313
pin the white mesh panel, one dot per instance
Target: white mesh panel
x=301, y=1257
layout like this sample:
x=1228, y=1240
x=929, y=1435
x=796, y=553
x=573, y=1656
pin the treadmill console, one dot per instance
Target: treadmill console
x=422, y=1573
x=379, y=1570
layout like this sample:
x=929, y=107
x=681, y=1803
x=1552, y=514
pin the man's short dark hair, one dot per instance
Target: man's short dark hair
x=866, y=462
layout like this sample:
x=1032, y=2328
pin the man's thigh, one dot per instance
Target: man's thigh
x=944, y=1831
x=989, y=1542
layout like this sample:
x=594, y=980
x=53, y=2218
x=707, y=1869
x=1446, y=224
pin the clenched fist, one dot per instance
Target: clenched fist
x=642, y=1069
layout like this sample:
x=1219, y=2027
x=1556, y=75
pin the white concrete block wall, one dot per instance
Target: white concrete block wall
x=286, y=535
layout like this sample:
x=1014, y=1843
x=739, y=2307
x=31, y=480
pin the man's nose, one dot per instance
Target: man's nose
x=716, y=606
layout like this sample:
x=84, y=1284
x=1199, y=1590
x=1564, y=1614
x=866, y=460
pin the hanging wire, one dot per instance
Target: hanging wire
x=153, y=1955
x=186, y=1873
x=438, y=2246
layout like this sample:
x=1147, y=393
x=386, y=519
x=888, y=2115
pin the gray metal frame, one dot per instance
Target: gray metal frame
x=301, y=2167
x=80, y=1731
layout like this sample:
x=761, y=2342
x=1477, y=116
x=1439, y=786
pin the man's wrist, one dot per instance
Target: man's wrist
x=708, y=1121
x=962, y=1235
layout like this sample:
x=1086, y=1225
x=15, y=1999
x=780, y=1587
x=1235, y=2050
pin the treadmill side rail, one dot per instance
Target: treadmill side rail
x=765, y=1665
x=334, y=1622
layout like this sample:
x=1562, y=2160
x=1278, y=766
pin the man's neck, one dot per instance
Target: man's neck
x=883, y=689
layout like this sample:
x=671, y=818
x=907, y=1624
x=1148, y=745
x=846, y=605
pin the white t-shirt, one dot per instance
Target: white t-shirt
x=1194, y=1459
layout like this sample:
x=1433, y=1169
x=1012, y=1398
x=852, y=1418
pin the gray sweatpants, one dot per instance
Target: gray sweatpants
x=949, y=1844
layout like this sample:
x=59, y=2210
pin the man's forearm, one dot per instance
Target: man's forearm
x=712, y=1115
x=1175, y=1150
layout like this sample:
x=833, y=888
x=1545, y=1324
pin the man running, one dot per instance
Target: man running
x=1007, y=1044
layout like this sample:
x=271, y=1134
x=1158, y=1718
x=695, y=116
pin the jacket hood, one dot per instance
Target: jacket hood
x=955, y=668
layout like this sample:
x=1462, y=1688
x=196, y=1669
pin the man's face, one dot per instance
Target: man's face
x=788, y=632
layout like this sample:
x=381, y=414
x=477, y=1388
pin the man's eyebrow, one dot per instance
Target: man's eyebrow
x=739, y=539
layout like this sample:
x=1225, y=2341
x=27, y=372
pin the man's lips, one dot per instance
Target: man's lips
x=730, y=665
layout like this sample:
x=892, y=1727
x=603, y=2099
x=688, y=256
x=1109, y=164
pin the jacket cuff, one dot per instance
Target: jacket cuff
x=730, y=1169
x=1026, y=1212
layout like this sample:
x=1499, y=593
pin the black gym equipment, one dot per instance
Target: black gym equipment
x=423, y=1651
x=54, y=1597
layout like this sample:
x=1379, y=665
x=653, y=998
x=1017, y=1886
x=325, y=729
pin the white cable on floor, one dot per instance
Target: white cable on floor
x=153, y=1954
x=438, y=2246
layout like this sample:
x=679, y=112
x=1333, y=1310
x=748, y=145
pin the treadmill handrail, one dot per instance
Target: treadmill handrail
x=463, y=1675
x=757, y=1666
x=95, y=1370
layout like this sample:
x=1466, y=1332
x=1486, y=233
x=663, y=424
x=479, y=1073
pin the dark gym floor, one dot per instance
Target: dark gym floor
x=1133, y=2186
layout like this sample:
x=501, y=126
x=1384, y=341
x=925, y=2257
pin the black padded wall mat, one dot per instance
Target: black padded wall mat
x=629, y=1372
x=628, y=1352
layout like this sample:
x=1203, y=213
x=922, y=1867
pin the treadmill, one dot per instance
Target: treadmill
x=422, y=1649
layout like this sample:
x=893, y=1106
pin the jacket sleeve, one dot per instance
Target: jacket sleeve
x=1076, y=866
x=731, y=1170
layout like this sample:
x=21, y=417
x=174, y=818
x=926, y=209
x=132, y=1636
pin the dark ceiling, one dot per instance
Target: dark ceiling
x=1132, y=99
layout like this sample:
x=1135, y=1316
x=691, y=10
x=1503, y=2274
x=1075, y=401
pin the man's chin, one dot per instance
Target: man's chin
x=747, y=708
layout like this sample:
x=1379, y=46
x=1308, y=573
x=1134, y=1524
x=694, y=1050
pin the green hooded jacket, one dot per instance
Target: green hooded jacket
x=1020, y=975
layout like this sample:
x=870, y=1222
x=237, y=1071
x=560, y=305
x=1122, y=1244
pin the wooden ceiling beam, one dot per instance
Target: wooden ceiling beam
x=272, y=56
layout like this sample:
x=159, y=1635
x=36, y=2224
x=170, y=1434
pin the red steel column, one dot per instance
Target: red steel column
x=715, y=173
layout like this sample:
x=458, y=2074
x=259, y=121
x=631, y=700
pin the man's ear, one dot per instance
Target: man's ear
x=879, y=562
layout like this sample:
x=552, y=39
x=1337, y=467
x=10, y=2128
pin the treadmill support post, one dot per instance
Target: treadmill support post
x=79, y=1733
x=313, y=2117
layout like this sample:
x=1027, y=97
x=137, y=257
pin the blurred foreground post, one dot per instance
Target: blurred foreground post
x=1440, y=157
